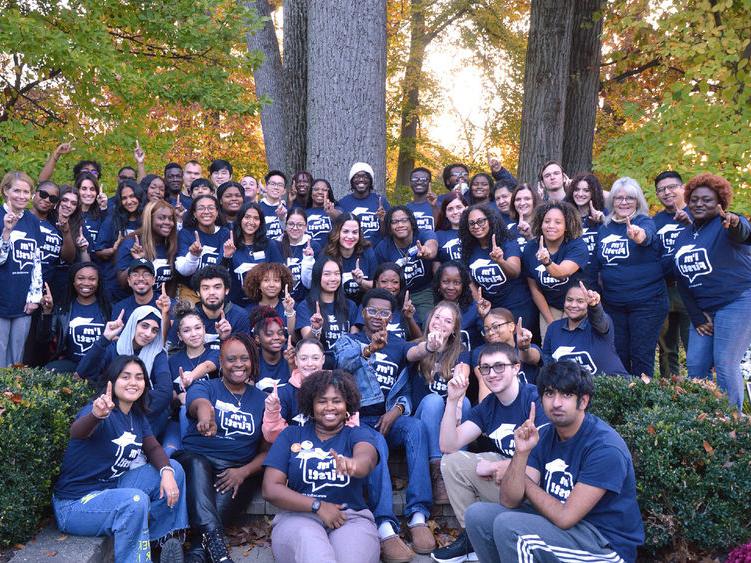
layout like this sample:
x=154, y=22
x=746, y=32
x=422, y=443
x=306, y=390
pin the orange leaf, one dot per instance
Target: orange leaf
x=651, y=430
x=708, y=447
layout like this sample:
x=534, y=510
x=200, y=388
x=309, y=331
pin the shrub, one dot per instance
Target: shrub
x=36, y=409
x=692, y=461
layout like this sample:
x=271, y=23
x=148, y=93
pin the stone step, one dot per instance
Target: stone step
x=51, y=545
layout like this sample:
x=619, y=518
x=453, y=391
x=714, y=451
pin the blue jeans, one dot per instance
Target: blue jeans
x=380, y=493
x=172, y=439
x=430, y=411
x=725, y=349
x=636, y=330
x=125, y=512
x=409, y=432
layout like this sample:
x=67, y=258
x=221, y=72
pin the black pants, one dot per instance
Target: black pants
x=208, y=509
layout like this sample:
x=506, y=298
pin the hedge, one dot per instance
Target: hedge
x=36, y=408
x=692, y=462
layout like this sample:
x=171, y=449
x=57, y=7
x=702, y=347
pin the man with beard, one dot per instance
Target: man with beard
x=369, y=207
x=423, y=199
x=220, y=316
x=141, y=275
x=173, y=181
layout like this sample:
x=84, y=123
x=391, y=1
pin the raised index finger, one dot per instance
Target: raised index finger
x=519, y=326
x=493, y=241
x=532, y=408
x=109, y=390
x=198, y=240
x=121, y=315
x=318, y=308
x=720, y=210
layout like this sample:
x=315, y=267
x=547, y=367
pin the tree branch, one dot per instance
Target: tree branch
x=634, y=71
x=430, y=35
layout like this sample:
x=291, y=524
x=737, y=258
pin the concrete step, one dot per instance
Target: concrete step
x=51, y=545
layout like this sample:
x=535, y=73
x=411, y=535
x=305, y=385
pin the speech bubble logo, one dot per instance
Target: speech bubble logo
x=487, y=273
x=385, y=370
x=558, y=482
x=614, y=247
x=24, y=249
x=233, y=421
x=583, y=358
x=590, y=239
x=546, y=280
x=668, y=234
x=453, y=248
x=85, y=332
x=413, y=268
x=503, y=436
x=320, y=472
x=53, y=242
x=424, y=221
x=692, y=262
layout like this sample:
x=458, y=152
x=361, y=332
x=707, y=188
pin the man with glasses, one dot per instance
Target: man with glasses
x=272, y=203
x=473, y=477
x=669, y=223
x=423, y=199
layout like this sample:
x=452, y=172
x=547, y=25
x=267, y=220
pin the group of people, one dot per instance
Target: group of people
x=265, y=335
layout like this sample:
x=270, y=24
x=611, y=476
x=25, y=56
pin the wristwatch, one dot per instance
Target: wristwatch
x=315, y=506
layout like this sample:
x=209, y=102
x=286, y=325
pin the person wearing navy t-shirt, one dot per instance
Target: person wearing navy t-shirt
x=554, y=255
x=524, y=201
x=364, y=203
x=494, y=262
x=423, y=199
x=20, y=266
x=321, y=210
x=296, y=247
x=247, y=247
x=100, y=489
x=270, y=339
x=201, y=240
x=316, y=475
x=223, y=450
x=633, y=284
x=140, y=279
x=585, y=193
x=570, y=489
x=414, y=251
x=92, y=215
x=713, y=270
x=468, y=476
x=447, y=228
x=669, y=224
x=452, y=282
x=272, y=204
x=584, y=335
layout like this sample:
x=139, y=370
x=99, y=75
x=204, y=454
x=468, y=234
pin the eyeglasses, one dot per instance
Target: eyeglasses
x=460, y=174
x=296, y=225
x=670, y=187
x=624, y=199
x=47, y=195
x=378, y=313
x=94, y=172
x=418, y=180
x=275, y=185
x=203, y=208
x=478, y=223
x=495, y=327
x=484, y=369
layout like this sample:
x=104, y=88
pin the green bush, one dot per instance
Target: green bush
x=692, y=461
x=36, y=409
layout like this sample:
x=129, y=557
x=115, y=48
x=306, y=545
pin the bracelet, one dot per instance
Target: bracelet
x=98, y=417
x=290, y=315
x=400, y=407
x=548, y=264
x=428, y=348
x=166, y=468
x=316, y=332
x=367, y=351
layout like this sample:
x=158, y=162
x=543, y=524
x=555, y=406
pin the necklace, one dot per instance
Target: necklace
x=237, y=399
x=697, y=231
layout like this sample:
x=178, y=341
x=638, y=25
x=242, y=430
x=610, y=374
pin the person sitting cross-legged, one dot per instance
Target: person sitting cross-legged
x=469, y=477
x=569, y=493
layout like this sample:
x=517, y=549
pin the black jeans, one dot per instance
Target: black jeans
x=208, y=509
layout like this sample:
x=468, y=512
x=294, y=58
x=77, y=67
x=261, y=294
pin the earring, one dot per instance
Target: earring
x=347, y=415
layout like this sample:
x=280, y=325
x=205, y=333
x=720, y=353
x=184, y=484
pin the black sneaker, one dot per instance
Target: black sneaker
x=457, y=552
x=213, y=543
x=172, y=552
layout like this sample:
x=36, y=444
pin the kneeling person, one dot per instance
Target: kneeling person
x=570, y=489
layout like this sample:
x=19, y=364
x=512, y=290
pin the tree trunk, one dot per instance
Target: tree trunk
x=583, y=87
x=346, y=89
x=269, y=81
x=296, y=81
x=545, y=83
x=411, y=94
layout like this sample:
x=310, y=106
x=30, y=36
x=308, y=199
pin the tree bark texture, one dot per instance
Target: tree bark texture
x=346, y=89
x=583, y=86
x=296, y=82
x=411, y=94
x=545, y=84
x=269, y=81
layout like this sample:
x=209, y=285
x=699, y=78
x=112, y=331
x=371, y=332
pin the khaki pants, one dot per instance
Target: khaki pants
x=464, y=485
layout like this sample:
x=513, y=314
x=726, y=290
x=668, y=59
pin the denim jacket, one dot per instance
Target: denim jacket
x=348, y=354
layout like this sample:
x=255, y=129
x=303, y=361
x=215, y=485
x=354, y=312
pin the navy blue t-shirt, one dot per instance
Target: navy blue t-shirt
x=597, y=456
x=631, y=273
x=471, y=327
x=498, y=421
x=590, y=231
x=238, y=426
x=668, y=230
x=244, y=260
x=554, y=289
x=129, y=305
x=513, y=230
x=272, y=373
x=212, y=243
x=334, y=329
x=106, y=239
x=294, y=265
x=181, y=360
x=449, y=246
x=84, y=329
x=496, y=286
x=418, y=272
x=50, y=245
x=290, y=410
x=16, y=272
x=368, y=265
x=423, y=213
x=584, y=345
x=304, y=458
x=162, y=266
x=319, y=225
x=437, y=385
x=365, y=209
x=97, y=462
x=91, y=226
x=274, y=228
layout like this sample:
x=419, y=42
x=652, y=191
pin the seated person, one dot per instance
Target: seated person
x=282, y=410
x=139, y=336
x=100, y=491
x=469, y=476
x=584, y=335
x=316, y=475
x=576, y=480
x=223, y=451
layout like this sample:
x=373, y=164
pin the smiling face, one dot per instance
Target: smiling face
x=275, y=187
x=320, y=190
x=498, y=329
x=498, y=382
x=173, y=177
x=206, y=212
x=582, y=194
x=401, y=228
x=309, y=358
x=330, y=409
x=88, y=192
x=624, y=204
x=68, y=204
x=554, y=225
x=703, y=204
x=129, y=200
x=443, y=322
x=191, y=331
x=377, y=314
x=450, y=284
x=43, y=204
x=250, y=186
x=480, y=188
x=575, y=305
x=141, y=281
x=17, y=195
x=232, y=200
x=163, y=221
x=524, y=203
x=130, y=384
x=389, y=280
x=85, y=282
x=145, y=333
x=361, y=183
x=250, y=222
x=349, y=235
x=670, y=192
x=454, y=212
x=302, y=186
x=420, y=182
x=503, y=199
x=236, y=364
x=271, y=338
x=220, y=176
x=295, y=227
x=479, y=226
x=155, y=191
x=271, y=286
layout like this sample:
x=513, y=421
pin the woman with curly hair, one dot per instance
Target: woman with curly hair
x=316, y=474
x=634, y=293
x=554, y=255
x=494, y=261
x=713, y=269
x=524, y=201
x=268, y=285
